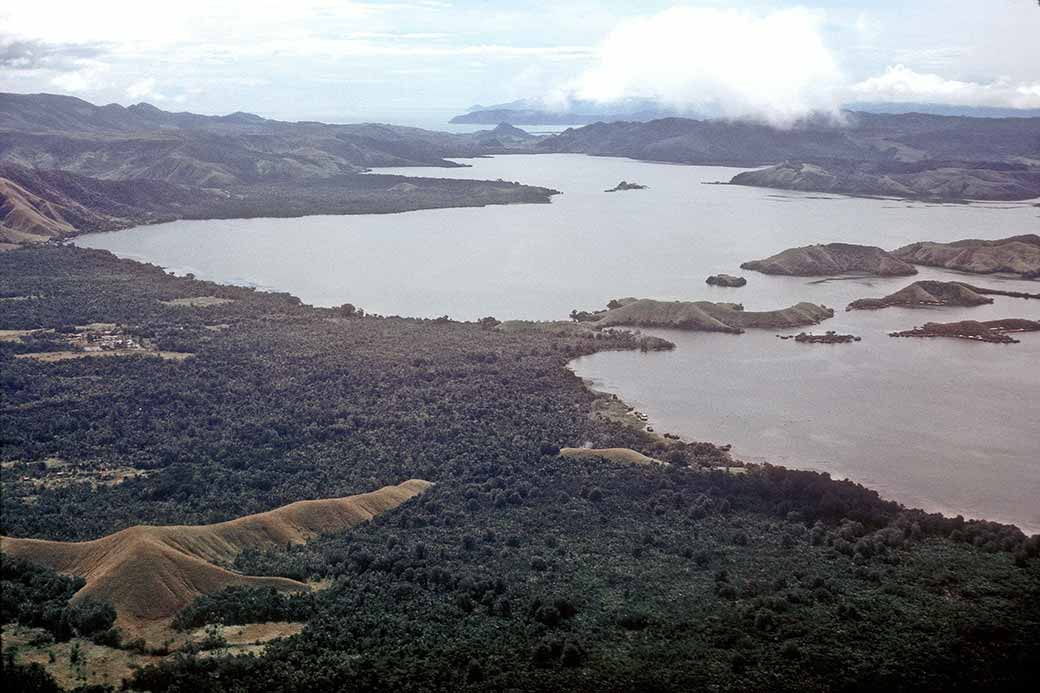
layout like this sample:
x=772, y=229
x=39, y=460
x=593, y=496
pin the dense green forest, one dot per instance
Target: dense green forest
x=519, y=570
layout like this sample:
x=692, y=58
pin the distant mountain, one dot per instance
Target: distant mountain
x=69, y=166
x=862, y=137
x=943, y=109
x=943, y=157
x=576, y=112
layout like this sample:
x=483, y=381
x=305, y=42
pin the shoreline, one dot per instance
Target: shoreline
x=626, y=417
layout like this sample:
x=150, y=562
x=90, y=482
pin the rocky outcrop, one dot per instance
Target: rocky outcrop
x=829, y=337
x=919, y=180
x=994, y=331
x=1014, y=255
x=830, y=259
x=710, y=317
x=625, y=185
x=727, y=280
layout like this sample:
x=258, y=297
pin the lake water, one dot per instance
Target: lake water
x=941, y=424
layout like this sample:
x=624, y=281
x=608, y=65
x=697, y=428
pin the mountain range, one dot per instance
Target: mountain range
x=68, y=165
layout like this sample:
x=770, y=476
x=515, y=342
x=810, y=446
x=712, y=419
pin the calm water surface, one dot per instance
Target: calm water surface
x=941, y=424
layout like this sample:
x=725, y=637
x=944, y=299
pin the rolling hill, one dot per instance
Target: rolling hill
x=68, y=166
x=149, y=573
x=1015, y=255
x=832, y=258
x=943, y=157
x=709, y=317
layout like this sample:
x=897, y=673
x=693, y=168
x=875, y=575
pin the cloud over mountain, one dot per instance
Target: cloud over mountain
x=735, y=63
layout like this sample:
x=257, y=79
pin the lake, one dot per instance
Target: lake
x=945, y=425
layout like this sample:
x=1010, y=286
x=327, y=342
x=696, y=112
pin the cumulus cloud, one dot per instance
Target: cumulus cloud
x=773, y=65
x=900, y=83
x=83, y=76
x=144, y=89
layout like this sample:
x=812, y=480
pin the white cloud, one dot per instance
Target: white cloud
x=900, y=83
x=89, y=76
x=772, y=65
x=144, y=89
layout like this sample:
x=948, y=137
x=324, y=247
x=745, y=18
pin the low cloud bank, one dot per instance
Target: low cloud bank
x=731, y=63
x=900, y=83
x=772, y=66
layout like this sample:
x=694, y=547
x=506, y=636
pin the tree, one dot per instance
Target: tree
x=489, y=323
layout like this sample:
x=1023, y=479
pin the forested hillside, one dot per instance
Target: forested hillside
x=518, y=569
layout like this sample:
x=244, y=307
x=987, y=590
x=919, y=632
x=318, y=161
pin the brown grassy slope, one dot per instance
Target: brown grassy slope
x=36, y=205
x=612, y=454
x=1017, y=254
x=710, y=317
x=28, y=218
x=832, y=258
x=150, y=573
x=925, y=293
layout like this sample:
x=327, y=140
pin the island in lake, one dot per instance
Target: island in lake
x=727, y=280
x=929, y=293
x=625, y=185
x=828, y=337
x=995, y=331
x=830, y=259
x=706, y=316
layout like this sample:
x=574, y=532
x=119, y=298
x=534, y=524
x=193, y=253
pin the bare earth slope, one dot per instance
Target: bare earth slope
x=1016, y=254
x=936, y=293
x=149, y=573
x=829, y=259
x=710, y=317
x=37, y=205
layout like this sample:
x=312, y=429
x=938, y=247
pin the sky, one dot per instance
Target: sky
x=414, y=60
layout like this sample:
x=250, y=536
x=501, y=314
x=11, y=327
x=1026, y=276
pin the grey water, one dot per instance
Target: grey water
x=947, y=425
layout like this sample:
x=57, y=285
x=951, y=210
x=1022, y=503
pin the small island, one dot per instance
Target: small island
x=703, y=316
x=993, y=331
x=930, y=293
x=625, y=185
x=727, y=280
x=828, y=337
x=831, y=259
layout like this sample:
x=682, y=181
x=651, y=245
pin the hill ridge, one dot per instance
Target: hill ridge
x=150, y=572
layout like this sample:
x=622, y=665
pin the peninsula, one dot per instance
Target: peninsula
x=1012, y=255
